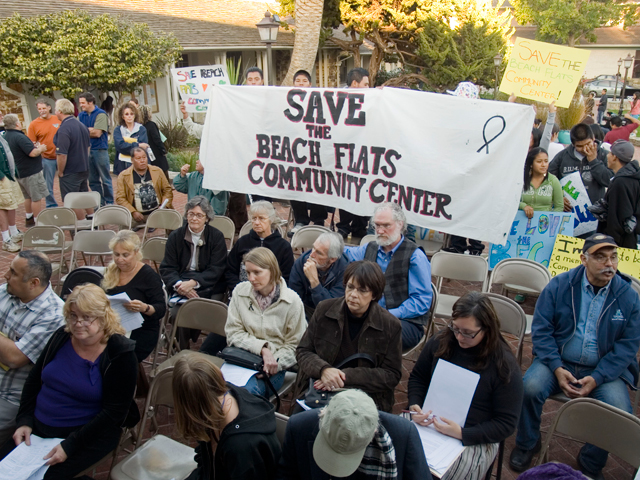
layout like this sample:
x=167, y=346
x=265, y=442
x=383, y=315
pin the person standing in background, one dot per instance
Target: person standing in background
x=42, y=130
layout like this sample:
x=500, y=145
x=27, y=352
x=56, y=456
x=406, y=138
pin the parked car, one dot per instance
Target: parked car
x=600, y=77
x=597, y=86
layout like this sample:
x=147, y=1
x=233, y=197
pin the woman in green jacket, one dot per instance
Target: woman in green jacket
x=542, y=190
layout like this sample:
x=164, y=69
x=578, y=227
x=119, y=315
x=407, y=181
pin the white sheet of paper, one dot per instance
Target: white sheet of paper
x=238, y=376
x=439, y=449
x=451, y=391
x=27, y=463
x=129, y=320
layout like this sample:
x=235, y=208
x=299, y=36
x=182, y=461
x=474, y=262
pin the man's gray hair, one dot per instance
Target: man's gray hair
x=44, y=101
x=11, y=121
x=335, y=242
x=396, y=212
x=65, y=107
x=203, y=203
x=38, y=266
x=262, y=206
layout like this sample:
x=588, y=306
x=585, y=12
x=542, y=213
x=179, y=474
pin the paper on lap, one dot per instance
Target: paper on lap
x=27, y=462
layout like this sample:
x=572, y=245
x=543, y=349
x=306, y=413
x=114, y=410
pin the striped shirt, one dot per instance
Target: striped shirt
x=29, y=325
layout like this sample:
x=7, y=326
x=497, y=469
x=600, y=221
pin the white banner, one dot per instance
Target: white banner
x=576, y=192
x=194, y=84
x=453, y=164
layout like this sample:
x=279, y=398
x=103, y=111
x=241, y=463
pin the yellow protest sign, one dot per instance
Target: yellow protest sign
x=543, y=71
x=566, y=255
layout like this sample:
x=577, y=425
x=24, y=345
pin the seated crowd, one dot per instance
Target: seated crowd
x=339, y=317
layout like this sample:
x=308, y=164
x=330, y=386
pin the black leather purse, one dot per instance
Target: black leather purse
x=243, y=358
x=320, y=398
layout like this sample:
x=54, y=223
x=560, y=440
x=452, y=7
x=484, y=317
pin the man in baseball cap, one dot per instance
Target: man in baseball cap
x=623, y=196
x=585, y=334
x=350, y=438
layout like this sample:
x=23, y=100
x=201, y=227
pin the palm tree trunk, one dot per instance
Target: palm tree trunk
x=308, y=15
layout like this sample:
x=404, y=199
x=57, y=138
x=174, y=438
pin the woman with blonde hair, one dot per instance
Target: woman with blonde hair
x=264, y=233
x=128, y=274
x=242, y=426
x=81, y=388
x=266, y=318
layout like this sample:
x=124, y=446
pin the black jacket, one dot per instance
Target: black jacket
x=297, y=461
x=212, y=258
x=274, y=242
x=623, y=197
x=119, y=369
x=596, y=176
x=157, y=146
x=248, y=448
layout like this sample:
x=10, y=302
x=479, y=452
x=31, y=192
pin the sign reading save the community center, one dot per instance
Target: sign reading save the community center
x=195, y=84
x=566, y=255
x=453, y=164
x=543, y=71
x=532, y=238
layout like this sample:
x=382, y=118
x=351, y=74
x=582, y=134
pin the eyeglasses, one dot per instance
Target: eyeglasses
x=457, y=331
x=199, y=216
x=598, y=257
x=74, y=319
x=259, y=219
x=383, y=226
x=362, y=291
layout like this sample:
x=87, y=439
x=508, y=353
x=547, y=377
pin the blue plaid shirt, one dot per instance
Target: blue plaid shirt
x=29, y=325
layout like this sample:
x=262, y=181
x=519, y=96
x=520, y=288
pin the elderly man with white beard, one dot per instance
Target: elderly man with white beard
x=407, y=294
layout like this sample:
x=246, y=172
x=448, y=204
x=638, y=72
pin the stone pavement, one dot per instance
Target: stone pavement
x=562, y=449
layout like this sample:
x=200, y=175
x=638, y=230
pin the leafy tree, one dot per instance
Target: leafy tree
x=72, y=51
x=462, y=47
x=566, y=21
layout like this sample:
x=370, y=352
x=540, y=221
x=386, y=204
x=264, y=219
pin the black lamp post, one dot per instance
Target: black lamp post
x=615, y=90
x=268, y=29
x=497, y=61
x=627, y=65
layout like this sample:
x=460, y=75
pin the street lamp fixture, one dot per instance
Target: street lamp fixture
x=497, y=62
x=268, y=30
x=615, y=90
x=628, y=62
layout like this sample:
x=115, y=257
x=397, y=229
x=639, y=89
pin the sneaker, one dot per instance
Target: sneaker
x=30, y=222
x=17, y=238
x=10, y=246
x=297, y=227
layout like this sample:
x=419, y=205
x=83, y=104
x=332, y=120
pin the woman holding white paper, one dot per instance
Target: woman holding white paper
x=472, y=341
x=129, y=134
x=128, y=274
x=81, y=387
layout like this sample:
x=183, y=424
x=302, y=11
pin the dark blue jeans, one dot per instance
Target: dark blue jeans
x=540, y=383
x=100, y=176
x=50, y=167
x=411, y=334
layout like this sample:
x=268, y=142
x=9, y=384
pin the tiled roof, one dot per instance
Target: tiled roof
x=607, y=36
x=196, y=23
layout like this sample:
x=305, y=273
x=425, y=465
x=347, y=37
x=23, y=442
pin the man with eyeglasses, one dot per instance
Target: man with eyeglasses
x=585, y=333
x=30, y=312
x=406, y=268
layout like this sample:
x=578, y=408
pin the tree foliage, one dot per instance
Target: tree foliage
x=72, y=51
x=566, y=21
x=462, y=47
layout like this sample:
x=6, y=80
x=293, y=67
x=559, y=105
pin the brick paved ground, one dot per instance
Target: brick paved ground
x=562, y=449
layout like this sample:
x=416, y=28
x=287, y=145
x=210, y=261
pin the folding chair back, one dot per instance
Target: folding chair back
x=153, y=249
x=82, y=200
x=367, y=239
x=48, y=237
x=112, y=215
x=455, y=266
x=91, y=243
x=163, y=218
x=281, y=426
x=62, y=217
x=513, y=273
x=591, y=421
x=428, y=328
x=80, y=276
x=226, y=226
x=307, y=235
x=635, y=284
x=512, y=319
x=160, y=393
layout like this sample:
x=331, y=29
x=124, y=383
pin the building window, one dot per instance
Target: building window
x=184, y=61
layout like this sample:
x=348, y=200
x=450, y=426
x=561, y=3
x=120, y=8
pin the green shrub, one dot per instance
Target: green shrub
x=178, y=158
x=112, y=152
x=177, y=135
